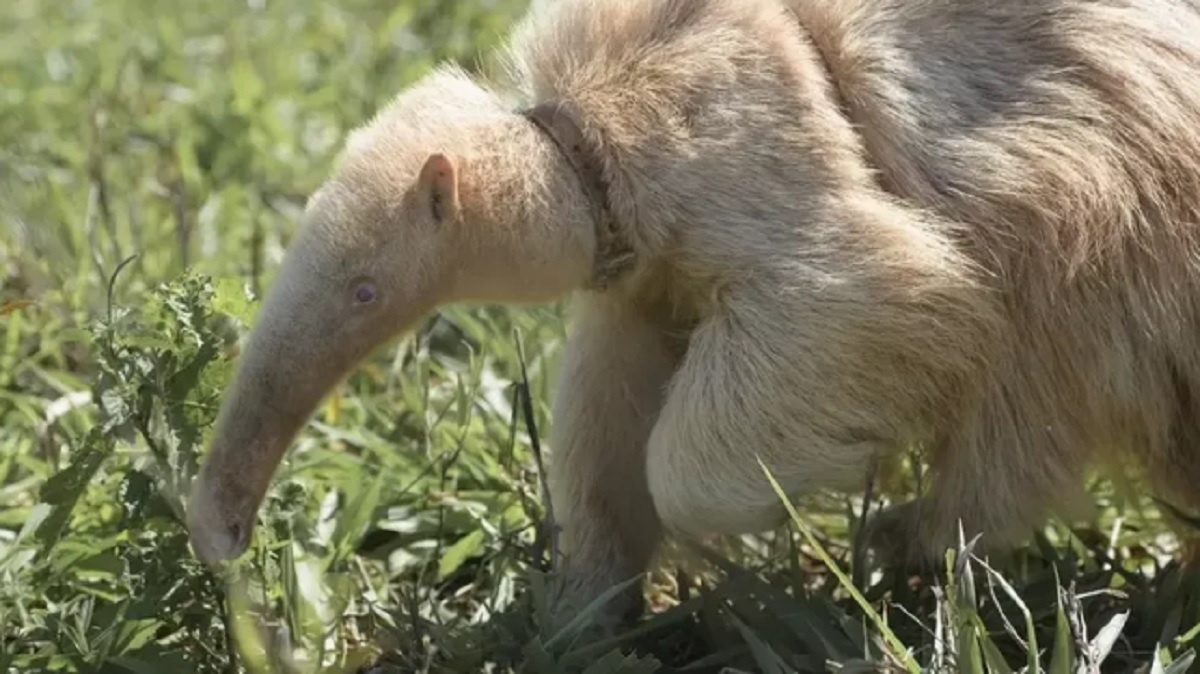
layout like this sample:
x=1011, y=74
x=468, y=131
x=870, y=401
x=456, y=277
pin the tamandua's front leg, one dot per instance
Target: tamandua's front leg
x=610, y=388
x=751, y=387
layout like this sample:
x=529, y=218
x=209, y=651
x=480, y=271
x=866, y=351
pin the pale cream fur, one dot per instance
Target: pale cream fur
x=860, y=224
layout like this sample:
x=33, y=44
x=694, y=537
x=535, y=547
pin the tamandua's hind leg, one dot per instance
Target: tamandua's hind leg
x=1174, y=464
x=1012, y=462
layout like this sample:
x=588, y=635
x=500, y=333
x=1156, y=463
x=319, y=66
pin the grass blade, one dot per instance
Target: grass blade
x=897, y=648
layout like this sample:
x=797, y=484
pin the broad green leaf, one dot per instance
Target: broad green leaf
x=63, y=489
x=1063, y=654
x=231, y=296
x=463, y=549
x=993, y=658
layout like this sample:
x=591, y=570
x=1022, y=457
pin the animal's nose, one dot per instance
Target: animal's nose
x=215, y=535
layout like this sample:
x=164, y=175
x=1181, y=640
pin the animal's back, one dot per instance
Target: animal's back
x=1063, y=133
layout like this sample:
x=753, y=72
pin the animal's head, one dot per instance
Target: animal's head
x=436, y=200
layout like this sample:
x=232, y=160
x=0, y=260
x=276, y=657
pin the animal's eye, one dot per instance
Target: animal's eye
x=365, y=293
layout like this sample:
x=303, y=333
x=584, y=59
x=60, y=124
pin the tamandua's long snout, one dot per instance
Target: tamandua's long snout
x=291, y=361
x=251, y=440
x=215, y=536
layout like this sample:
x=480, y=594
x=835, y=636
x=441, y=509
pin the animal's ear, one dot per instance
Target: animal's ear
x=438, y=187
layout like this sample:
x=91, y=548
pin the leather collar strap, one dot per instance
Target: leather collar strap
x=614, y=254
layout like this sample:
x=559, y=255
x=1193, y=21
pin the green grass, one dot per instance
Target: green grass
x=153, y=158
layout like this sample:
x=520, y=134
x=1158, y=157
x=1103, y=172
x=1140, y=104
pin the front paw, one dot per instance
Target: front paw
x=897, y=538
x=583, y=609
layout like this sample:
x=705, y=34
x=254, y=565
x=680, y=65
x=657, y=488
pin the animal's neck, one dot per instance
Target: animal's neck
x=529, y=232
x=615, y=254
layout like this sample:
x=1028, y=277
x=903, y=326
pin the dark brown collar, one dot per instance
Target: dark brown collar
x=614, y=254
